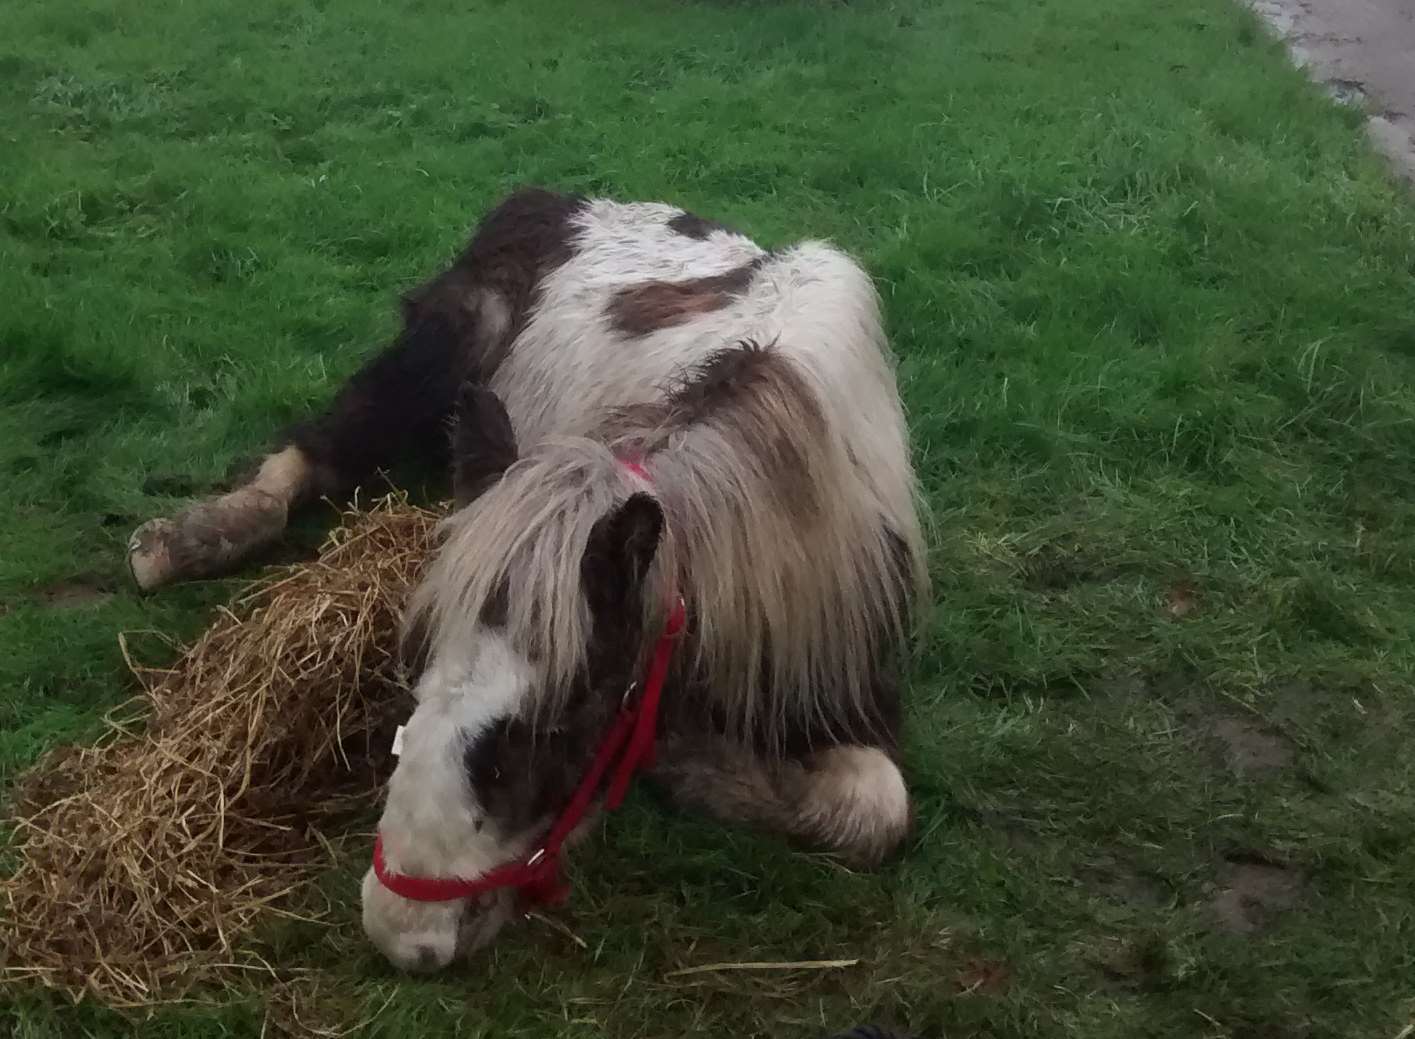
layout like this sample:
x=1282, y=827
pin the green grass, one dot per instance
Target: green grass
x=1156, y=312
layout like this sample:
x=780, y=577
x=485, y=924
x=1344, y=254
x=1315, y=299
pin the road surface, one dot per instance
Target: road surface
x=1364, y=51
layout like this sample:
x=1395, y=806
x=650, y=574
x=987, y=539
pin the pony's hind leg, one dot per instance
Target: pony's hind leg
x=848, y=799
x=398, y=403
x=458, y=326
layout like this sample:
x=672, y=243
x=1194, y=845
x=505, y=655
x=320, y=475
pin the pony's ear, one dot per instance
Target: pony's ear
x=617, y=559
x=483, y=443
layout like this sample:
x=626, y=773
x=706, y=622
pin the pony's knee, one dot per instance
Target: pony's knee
x=856, y=803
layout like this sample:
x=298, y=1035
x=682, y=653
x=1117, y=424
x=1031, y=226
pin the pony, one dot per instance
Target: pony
x=656, y=430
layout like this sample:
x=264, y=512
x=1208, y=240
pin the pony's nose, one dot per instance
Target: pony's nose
x=428, y=958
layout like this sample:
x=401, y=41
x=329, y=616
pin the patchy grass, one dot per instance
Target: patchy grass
x=1157, y=319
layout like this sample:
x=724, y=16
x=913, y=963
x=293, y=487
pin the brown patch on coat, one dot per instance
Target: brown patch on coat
x=640, y=310
x=483, y=442
x=690, y=225
x=521, y=773
x=523, y=777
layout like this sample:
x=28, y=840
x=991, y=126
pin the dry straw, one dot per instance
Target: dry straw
x=140, y=862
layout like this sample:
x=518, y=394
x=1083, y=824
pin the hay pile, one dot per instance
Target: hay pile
x=143, y=859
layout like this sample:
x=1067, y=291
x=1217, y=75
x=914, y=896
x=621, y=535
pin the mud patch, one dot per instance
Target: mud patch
x=1252, y=894
x=73, y=594
x=1249, y=747
x=1181, y=599
x=1016, y=835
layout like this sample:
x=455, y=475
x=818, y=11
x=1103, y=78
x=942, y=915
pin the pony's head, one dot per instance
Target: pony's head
x=528, y=628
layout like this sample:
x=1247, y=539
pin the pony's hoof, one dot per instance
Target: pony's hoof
x=149, y=554
x=207, y=540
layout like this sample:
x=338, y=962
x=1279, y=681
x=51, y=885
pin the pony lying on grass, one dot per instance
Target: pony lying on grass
x=686, y=533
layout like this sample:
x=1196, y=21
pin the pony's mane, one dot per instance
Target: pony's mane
x=512, y=556
x=798, y=567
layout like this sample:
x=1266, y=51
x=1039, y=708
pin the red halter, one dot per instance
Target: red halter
x=626, y=748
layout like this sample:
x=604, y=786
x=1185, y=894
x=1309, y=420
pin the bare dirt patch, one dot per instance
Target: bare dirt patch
x=983, y=975
x=1133, y=963
x=74, y=593
x=1249, y=747
x=1252, y=894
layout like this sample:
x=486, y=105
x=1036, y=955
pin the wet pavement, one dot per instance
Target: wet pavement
x=1364, y=51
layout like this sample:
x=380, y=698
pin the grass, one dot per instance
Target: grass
x=1155, y=308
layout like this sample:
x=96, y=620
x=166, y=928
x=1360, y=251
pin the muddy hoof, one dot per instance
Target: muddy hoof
x=204, y=541
x=148, y=559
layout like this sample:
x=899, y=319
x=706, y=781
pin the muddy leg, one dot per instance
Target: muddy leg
x=210, y=537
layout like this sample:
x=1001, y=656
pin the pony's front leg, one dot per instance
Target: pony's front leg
x=848, y=799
